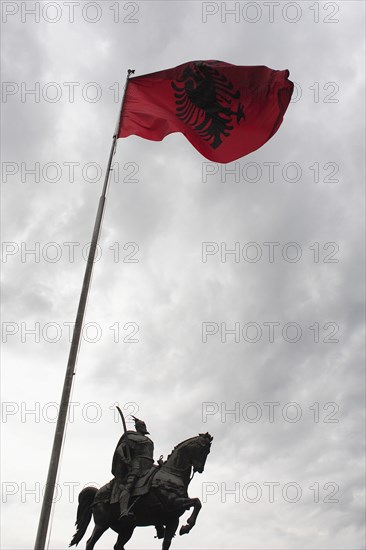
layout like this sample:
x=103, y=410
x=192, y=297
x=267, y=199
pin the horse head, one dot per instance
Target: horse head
x=191, y=453
x=199, y=450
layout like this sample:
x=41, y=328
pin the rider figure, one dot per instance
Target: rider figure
x=132, y=458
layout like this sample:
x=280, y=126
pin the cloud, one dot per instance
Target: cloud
x=278, y=379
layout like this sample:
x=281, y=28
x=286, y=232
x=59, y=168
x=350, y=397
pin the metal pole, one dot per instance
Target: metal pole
x=70, y=370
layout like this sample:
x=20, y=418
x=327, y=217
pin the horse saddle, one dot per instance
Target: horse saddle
x=143, y=484
x=110, y=492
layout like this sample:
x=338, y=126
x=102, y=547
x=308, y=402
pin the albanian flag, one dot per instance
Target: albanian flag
x=225, y=111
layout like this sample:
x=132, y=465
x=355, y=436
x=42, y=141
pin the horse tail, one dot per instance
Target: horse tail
x=84, y=513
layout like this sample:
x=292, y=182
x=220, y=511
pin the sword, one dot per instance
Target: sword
x=128, y=451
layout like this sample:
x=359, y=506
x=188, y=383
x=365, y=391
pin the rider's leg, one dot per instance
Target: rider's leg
x=126, y=493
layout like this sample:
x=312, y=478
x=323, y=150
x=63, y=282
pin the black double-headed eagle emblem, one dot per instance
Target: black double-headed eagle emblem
x=205, y=99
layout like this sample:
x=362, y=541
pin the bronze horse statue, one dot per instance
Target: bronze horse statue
x=166, y=499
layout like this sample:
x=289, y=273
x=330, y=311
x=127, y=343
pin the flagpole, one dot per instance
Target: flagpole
x=70, y=370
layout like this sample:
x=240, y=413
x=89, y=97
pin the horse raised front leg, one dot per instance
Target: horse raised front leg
x=191, y=521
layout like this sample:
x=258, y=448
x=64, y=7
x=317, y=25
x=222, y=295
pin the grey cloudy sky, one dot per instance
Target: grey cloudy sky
x=298, y=392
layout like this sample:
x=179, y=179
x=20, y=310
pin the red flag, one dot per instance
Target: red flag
x=225, y=111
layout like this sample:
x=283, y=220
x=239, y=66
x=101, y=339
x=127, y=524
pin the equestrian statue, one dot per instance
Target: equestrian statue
x=141, y=493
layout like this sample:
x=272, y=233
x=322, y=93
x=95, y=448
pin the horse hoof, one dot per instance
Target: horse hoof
x=184, y=529
x=160, y=531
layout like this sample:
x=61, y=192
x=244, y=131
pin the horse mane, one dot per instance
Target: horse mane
x=186, y=441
